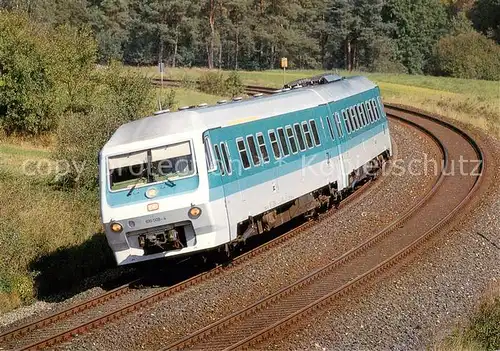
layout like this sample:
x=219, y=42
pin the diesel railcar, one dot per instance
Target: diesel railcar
x=212, y=176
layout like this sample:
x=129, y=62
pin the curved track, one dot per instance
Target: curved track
x=455, y=186
x=263, y=319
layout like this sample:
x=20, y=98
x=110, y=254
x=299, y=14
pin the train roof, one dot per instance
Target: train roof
x=236, y=112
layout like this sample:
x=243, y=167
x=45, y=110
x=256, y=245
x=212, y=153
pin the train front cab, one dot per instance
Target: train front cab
x=146, y=217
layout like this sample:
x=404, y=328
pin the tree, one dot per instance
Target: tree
x=354, y=27
x=486, y=18
x=110, y=21
x=469, y=55
x=417, y=26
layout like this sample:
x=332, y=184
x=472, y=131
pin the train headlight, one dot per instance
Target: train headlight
x=194, y=212
x=116, y=227
x=151, y=193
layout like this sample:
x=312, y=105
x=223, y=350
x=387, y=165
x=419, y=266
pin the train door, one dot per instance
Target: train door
x=218, y=177
x=330, y=167
x=341, y=137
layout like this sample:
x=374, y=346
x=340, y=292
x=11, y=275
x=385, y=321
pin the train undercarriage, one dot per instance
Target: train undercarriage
x=309, y=205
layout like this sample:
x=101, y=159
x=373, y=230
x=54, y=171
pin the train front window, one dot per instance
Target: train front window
x=166, y=163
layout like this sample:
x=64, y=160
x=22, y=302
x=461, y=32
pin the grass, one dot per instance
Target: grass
x=482, y=329
x=36, y=220
x=474, y=102
x=186, y=97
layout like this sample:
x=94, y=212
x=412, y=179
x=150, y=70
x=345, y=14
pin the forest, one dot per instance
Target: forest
x=456, y=38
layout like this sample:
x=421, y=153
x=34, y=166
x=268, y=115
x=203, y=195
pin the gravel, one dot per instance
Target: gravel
x=417, y=305
x=194, y=308
x=40, y=309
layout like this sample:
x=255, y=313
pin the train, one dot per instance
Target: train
x=208, y=178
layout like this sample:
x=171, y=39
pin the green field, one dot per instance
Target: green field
x=475, y=102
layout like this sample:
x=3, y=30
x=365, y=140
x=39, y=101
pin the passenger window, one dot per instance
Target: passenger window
x=291, y=139
x=284, y=145
x=330, y=128
x=370, y=112
x=375, y=110
x=262, y=147
x=361, y=115
x=381, y=106
x=208, y=154
x=226, y=157
x=253, y=150
x=365, y=110
x=274, y=144
x=347, y=121
x=243, y=153
x=339, y=125
x=354, y=121
x=218, y=160
x=307, y=133
x=317, y=141
x=300, y=137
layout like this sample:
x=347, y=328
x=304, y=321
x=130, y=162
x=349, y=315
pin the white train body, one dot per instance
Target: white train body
x=198, y=179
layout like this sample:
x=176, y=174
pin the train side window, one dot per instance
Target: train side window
x=330, y=128
x=253, y=150
x=347, y=121
x=370, y=112
x=381, y=106
x=352, y=116
x=226, y=156
x=209, y=156
x=300, y=137
x=218, y=160
x=375, y=110
x=361, y=114
x=284, y=145
x=339, y=125
x=307, y=133
x=358, y=117
x=243, y=153
x=291, y=139
x=317, y=140
x=262, y=147
x=364, y=105
x=274, y=144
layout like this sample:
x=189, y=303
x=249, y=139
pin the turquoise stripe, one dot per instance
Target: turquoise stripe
x=289, y=165
x=122, y=198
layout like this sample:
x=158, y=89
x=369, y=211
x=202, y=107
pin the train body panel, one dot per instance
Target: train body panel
x=244, y=167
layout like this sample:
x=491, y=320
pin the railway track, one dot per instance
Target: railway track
x=114, y=304
x=248, y=89
x=280, y=311
x=269, y=316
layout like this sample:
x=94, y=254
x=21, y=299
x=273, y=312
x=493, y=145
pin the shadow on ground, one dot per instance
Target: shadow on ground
x=71, y=270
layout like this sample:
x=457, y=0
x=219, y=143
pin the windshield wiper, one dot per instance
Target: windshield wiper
x=169, y=182
x=137, y=182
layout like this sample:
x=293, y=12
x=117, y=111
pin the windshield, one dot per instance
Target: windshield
x=166, y=163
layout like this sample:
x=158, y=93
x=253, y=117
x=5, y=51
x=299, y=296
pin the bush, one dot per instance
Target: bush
x=212, y=83
x=167, y=101
x=121, y=97
x=468, y=55
x=234, y=85
x=188, y=82
x=43, y=73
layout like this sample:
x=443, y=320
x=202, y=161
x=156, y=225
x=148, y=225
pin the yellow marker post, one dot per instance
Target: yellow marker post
x=284, y=65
